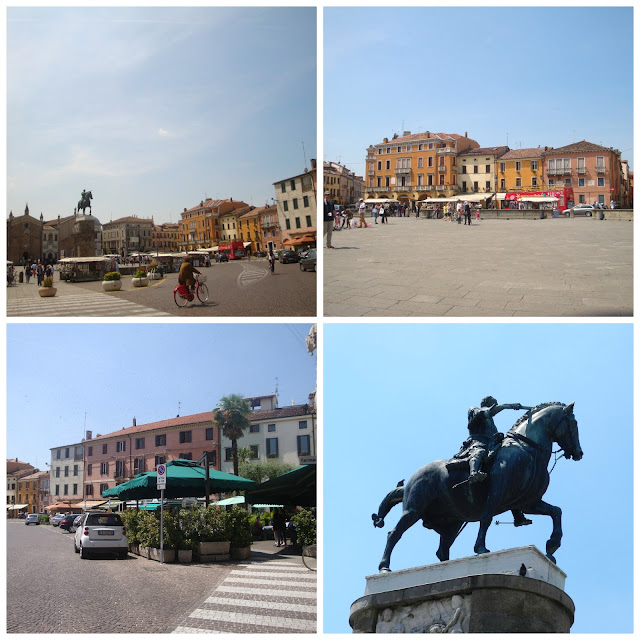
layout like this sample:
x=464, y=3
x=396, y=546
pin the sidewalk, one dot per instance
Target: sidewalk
x=70, y=300
x=418, y=267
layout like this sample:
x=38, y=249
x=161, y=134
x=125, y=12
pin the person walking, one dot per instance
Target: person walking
x=383, y=213
x=348, y=217
x=328, y=218
x=39, y=273
x=362, y=208
x=467, y=213
x=27, y=273
x=375, y=211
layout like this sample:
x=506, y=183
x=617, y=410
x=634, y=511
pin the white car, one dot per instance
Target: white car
x=32, y=518
x=100, y=532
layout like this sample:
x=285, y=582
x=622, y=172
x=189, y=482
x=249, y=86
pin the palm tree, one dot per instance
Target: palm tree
x=232, y=417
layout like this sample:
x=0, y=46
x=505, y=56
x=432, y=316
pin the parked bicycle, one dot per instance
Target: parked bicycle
x=182, y=296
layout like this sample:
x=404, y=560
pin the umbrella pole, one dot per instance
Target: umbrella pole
x=206, y=483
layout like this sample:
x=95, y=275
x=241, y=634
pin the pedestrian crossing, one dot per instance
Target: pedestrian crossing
x=262, y=597
x=85, y=304
x=250, y=274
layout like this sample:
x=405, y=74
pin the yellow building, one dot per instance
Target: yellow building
x=416, y=166
x=520, y=169
x=28, y=492
x=202, y=226
x=477, y=169
x=250, y=230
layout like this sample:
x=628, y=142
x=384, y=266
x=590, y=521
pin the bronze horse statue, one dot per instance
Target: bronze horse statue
x=439, y=495
x=85, y=201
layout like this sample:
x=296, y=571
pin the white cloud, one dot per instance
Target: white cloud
x=162, y=132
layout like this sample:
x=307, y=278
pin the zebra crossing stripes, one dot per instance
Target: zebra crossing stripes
x=263, y=597
x=85, y=304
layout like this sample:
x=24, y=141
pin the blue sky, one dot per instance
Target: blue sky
x=117, y=372
x=396, y=397
x=153, y=108
x=539, y=76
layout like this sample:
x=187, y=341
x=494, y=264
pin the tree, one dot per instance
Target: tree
x=232, y=416
x=261, y=471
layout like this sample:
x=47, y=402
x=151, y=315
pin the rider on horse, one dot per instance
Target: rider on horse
x=485, y=439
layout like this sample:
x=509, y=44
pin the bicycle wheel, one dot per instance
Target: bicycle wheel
x=309, y=557
x=179, y=300
x=203, y=293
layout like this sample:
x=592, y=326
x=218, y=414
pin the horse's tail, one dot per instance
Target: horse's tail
x=390, y=500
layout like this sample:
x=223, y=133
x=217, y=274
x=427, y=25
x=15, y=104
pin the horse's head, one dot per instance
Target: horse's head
x=566, y=434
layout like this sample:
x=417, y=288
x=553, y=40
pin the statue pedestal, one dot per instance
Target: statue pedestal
x=478, y=594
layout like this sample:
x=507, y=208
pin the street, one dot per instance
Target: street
x=236, y=288
x=51, y=590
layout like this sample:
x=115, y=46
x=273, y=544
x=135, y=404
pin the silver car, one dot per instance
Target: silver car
x=32, y=518
x=100, y=532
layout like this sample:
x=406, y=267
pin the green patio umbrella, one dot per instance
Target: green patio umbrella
x=185, y=479
x=294, y=488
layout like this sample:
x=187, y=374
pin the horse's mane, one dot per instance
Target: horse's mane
x=538, y=407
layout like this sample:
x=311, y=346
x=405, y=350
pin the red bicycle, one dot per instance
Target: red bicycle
x=182, y=296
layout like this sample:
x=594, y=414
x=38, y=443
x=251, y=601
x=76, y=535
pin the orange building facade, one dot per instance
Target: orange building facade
x=416, y=166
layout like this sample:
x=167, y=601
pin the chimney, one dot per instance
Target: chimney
x=406, y=133
x=466, y=135
x=313, y=163
x=385, y=140
x=134, y=422
x=89, y=435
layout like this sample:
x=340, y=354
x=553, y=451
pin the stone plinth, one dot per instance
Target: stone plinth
x=479, y=594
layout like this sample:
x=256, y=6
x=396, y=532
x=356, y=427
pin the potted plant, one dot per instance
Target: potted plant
x=140, y=278
x=212, y=532
x=239, y=533
x=47, y=290
x=111, y=281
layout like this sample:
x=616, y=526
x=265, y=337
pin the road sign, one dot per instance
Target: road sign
x=161, y=472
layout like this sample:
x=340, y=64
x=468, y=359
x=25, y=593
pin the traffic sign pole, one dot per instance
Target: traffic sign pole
x=161, y=483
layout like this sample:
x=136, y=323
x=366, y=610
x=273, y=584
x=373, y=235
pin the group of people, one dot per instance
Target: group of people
x=37, y=270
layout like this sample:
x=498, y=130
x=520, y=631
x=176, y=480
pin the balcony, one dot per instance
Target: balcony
x=403, y=171
x=370, y=158
x=404, y=189
x=424, y=187
x=442, y=168
x=600, y=168
x=379, y=189
x=582, y=170
x=446, y=151
x=371, y=172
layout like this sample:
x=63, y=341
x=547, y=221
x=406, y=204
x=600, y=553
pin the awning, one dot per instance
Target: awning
x=501, y=196
x=226, y=501
x=59, y=506
x=379, y=200
x=89, y=504
x=17, y=506
x=428, y=200
x=296, y=488
x=246, y=244
x=473, y=197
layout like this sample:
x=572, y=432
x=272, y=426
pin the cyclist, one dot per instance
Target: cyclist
x=186, y=277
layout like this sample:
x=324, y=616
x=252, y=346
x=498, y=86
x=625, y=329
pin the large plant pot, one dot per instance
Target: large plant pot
x=154, y=275
x=47, y=292
x=240, y=553
x=140, y=282
x=213, y=548
x=185, y=555
x=111, y=285
x=134, y=547
x=145, y=552
x=167, y=555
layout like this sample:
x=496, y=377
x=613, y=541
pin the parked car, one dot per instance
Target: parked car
x=309, y=262
x=288, y=256
x=582, y=210
x=101, y=533
x=76, y=522
x=56, y=519
x=22, y=515
x=32, y=518
x=67, y=522
x=221, y=257
x=260, y=254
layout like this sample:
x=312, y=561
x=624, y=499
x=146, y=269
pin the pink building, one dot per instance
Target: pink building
x=119, y=456
x=593, y=171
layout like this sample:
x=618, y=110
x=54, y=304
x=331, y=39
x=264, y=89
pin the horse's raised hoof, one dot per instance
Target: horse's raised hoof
x=523, y=523
x=384, y=570
x=551, y=558
x=481, y=550
x=377, y=520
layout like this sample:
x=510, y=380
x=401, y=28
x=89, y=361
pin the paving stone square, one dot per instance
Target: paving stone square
x=571, y=267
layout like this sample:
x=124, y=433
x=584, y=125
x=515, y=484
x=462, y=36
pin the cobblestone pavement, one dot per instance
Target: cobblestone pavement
x=273, y=596
x=419, y=267
x=71, y=300
x=51, y=590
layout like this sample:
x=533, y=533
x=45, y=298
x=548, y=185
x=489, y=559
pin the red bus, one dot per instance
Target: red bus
x=564, y=195
x=233, y=249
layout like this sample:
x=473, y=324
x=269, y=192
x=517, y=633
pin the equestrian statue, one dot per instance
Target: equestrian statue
x=85, y=201
x=492, y=473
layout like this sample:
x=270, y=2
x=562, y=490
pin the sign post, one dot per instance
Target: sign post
x=161, y=483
